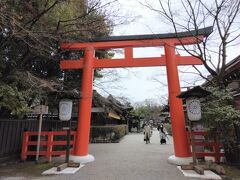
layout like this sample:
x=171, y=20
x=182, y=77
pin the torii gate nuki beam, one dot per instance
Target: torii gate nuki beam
x=170, y=60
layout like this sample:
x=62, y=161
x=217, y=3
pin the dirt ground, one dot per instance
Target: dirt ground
x=23, y=170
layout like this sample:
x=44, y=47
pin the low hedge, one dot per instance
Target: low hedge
x=168, y=128
x=108, y=133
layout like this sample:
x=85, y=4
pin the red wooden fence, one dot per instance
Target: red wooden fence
x=49, y=141
x=216, y=146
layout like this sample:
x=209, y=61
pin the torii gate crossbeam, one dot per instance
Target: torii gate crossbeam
x=170, y=60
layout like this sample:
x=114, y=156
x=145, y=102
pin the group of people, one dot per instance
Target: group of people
x=147, y=129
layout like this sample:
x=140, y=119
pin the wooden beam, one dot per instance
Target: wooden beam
x=199, y=169
x=132, y=43
x=62, y=166
x=71, y=64
x=130, y=62
x=128, y=51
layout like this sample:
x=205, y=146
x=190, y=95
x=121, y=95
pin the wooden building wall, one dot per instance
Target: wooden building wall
x=11, y=131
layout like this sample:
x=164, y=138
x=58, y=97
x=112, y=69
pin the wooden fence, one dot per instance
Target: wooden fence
x=49, y=143
x=210, y=148
x=11, y=132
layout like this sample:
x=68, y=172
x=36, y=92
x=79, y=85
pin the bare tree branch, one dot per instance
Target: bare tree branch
x=221, y=14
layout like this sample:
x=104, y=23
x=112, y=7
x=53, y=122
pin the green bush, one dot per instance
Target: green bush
x=107, y=134
x=219, y=114
x=168, y=128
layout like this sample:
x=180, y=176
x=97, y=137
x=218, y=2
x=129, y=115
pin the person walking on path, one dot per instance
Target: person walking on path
x=162, y=134
x=147, y=133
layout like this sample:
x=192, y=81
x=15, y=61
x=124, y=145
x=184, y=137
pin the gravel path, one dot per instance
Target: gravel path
x=131, y=159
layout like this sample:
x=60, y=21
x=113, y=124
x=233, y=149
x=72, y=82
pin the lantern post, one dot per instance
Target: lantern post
x=194, y=114
x=65, y=114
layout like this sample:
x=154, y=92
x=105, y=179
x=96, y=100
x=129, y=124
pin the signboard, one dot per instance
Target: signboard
x=65, y=110
x=40, y=109
x=193, y=109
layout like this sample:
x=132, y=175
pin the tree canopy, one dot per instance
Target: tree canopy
x=148, y=110
x=30, y=33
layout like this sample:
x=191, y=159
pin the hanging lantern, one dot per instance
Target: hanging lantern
x=192, y=102
x=65, y=109
x=193, y=109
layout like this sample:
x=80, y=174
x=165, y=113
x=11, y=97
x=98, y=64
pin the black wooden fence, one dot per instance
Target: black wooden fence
x=11, y=131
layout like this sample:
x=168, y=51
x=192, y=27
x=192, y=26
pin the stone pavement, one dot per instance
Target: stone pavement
x=131, y=159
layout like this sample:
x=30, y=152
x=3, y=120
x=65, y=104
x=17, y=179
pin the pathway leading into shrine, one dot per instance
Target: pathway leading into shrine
x=131, y=159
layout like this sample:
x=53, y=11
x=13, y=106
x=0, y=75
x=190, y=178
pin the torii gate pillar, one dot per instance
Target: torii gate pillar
x=84, y=114
x=181, y=148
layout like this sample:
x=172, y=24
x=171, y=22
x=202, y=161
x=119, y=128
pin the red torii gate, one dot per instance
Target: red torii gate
x=170, y=60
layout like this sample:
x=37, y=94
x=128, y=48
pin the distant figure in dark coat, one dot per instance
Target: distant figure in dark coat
x=162, y=134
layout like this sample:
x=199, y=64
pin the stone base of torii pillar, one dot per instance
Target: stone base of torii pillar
x=180, y=160
x=82, y=159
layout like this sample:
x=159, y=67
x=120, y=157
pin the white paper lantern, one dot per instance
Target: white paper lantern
x=193, y=109
x=65, y=110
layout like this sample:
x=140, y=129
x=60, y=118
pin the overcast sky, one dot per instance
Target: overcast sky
x=139, y=84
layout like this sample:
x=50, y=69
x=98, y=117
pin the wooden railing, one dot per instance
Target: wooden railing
x=214, y=144
x=49, y=141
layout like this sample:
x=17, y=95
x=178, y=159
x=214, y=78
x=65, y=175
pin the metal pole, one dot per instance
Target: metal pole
x=39, y=136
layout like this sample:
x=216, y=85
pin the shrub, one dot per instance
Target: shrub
x=168, y=128
x=109, y=133
x=220, y=115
